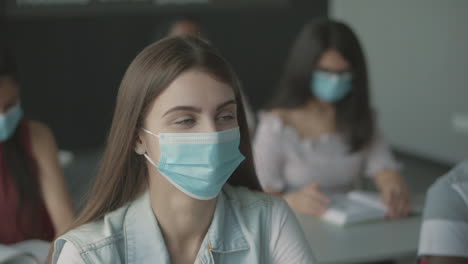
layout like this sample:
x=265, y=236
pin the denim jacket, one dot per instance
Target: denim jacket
x=240, y=232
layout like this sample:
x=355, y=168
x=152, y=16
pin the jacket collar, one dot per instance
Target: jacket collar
x=145, y=243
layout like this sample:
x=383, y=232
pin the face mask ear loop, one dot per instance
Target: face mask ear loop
x=150, y=160
x=146, y=154
x=149, y=132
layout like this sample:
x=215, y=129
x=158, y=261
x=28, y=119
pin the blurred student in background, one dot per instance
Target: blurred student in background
x=179, y=134
x=184, y=27
x=34, y=203
x=178, y=26
x=320, y=133
x=444, y=231
x=189, y=26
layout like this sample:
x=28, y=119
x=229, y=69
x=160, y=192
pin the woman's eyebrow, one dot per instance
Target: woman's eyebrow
x=183, y=108
x=196, y=109
x=229, y=102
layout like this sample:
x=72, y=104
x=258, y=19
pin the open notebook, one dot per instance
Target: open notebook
x=26, y=252
x=355, y=207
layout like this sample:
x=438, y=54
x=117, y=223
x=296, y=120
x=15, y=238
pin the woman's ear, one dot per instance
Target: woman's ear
x=139, y=145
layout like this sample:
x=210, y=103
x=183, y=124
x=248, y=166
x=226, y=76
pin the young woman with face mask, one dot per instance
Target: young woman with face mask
x=34, y=203
x=177, y=183
x=319, y=134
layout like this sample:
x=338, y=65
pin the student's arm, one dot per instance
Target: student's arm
x=51, y=177
x=446, y=260
x=288, y=243
x=309, y=200
x=394, y=193
x=383, y=168
x=444, y=229
x=269, y=154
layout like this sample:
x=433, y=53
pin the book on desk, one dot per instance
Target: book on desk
x=358, y=207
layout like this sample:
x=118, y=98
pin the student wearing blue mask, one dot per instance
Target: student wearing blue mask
x=34, y=203
x=319, y=133
x=176, y=183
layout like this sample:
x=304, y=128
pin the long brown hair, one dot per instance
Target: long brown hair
x=354, y=114
x=20, y=164
x=122, y=175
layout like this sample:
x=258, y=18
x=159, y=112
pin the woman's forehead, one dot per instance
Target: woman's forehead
x=194, y=88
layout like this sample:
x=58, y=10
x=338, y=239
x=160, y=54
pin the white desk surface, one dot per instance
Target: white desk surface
x=382, y=240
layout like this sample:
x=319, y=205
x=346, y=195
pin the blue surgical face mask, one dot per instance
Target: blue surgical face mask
x=198, y=164
x=330, y=87
x=9, y=121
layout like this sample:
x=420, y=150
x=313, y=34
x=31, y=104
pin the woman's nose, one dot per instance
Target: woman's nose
x=209, y=126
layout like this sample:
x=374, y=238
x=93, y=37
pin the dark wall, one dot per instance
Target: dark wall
x=71, y=66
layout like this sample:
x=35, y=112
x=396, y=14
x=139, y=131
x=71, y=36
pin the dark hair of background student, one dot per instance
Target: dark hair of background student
x=19, y=164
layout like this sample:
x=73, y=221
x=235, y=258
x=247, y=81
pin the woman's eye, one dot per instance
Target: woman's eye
x=225, y=118
x=187, y=121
